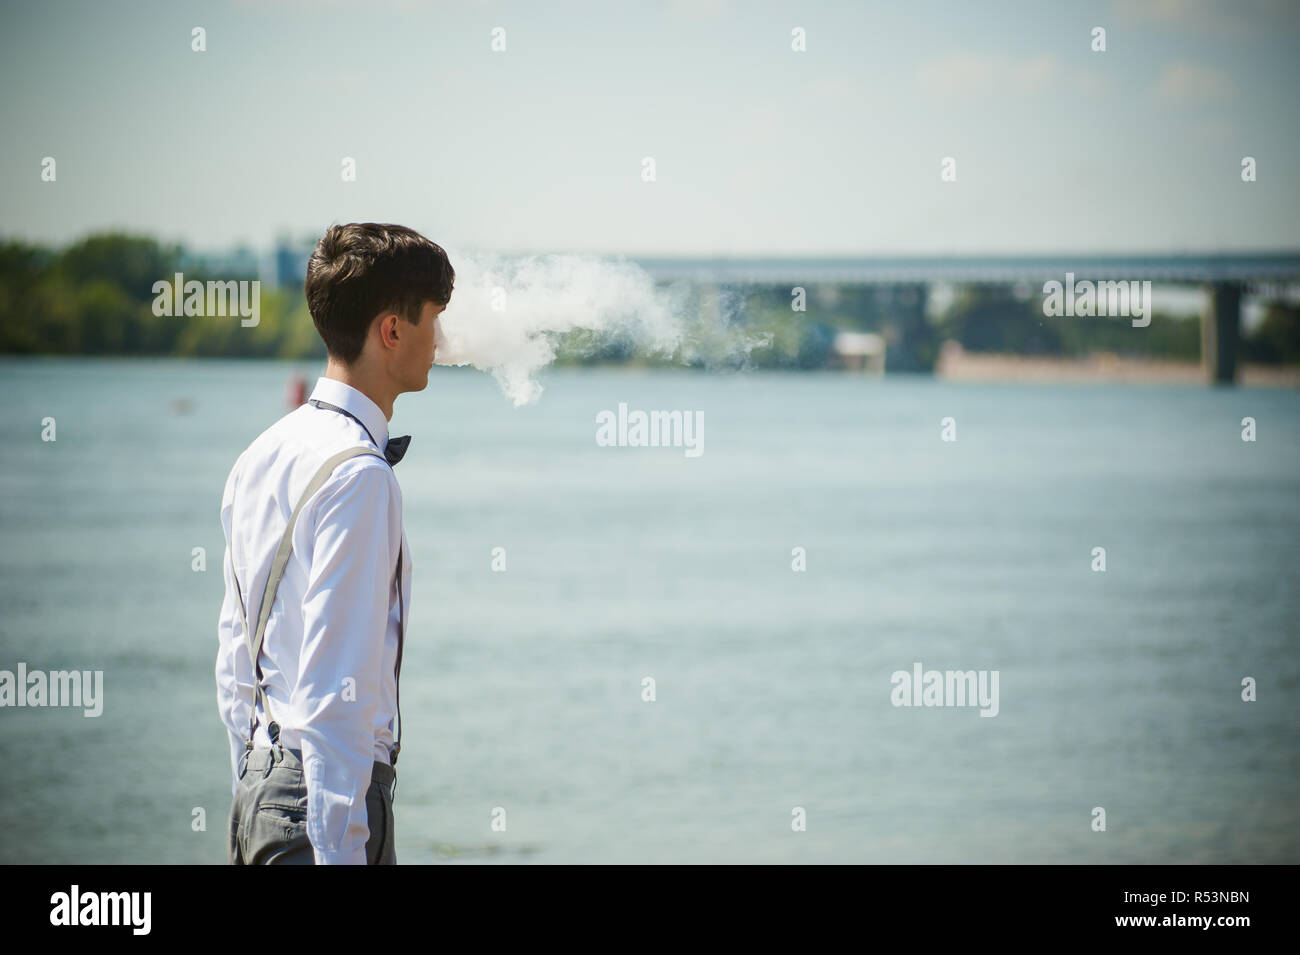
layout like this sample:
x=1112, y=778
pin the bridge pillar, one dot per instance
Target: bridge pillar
x=912, y=345
x=1220, y=332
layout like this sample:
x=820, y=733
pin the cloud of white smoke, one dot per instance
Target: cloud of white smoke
x=509, y=317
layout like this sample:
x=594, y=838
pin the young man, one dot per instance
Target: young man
x=318, y=575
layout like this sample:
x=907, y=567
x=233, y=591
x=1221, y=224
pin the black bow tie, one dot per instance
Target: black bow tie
x=394, y=451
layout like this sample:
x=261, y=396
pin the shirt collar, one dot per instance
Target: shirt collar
x=350, y=399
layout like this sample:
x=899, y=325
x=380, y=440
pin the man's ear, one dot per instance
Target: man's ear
x=383, y=325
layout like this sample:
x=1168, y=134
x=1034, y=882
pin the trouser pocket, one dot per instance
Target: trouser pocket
x=273, y=819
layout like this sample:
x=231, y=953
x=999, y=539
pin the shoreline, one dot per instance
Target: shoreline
x=956, y=364
x=953, y=365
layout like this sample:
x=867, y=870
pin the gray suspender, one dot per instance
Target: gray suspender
x=254, y=642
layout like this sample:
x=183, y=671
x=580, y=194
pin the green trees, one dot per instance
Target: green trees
x=95, y=297
x=1277, y=338
x=991, y=318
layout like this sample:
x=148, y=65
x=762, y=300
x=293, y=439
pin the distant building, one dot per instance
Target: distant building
x=241, y=262
x=291, y=262
x=858, y=351
x=283, y=266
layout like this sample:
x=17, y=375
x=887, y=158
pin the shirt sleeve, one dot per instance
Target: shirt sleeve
x=234, y=670
x=345, y=619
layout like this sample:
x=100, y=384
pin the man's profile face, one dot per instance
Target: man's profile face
x=419, y=350
x=413, y=352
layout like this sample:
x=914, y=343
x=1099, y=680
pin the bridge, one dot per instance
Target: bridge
x=1227, y=277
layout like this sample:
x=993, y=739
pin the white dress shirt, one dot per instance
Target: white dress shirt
x=330, y=646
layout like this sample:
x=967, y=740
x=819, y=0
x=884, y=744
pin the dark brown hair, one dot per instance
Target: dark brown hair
x=362, y=269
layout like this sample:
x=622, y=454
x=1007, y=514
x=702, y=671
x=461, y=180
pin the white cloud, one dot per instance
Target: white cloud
x=978, y=74
x=1186, y=82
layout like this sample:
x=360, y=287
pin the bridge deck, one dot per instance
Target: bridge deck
x=1230, y=267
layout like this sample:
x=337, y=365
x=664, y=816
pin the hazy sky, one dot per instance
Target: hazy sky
x=758, y=149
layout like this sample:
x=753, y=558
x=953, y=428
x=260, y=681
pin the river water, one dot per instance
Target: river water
x=524, y=689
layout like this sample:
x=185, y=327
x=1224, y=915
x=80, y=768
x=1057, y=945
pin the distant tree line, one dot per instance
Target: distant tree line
x=994, y=318
x=95, y=297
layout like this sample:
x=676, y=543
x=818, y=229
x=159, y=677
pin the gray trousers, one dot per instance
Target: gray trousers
x=268, y=817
